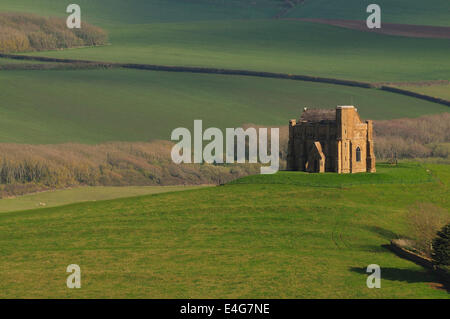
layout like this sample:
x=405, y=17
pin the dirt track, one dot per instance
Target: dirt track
x=407, y=30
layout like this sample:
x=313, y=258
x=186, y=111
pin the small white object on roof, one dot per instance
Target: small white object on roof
x=345, y=107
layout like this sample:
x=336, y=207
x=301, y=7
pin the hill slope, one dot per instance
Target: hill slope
x=294, y=47
x=434, y=12
x=92, y=106
x=106, y=12
x=81, y=194
x=236, y=241
x=114, y=12
x=241, y=34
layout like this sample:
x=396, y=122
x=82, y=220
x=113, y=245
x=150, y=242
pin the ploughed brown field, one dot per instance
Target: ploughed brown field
x=407, y=30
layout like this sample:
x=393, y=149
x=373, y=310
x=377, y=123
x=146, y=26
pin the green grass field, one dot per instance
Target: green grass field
x=404, y=173
x=91, y=106
x=81, y=194
x=437, y=90
x=434, y=12
x=239, y=34
x=4, y=61
x=273, y=45
x=253, y=240
x=289, y=235
x=145, y=11
x=107, y=12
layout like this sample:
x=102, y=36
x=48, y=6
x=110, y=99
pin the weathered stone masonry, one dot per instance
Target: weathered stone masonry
x=334, y=140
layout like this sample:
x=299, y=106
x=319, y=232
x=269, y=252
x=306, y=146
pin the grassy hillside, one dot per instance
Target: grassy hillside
x=191, y=34
x=249, y=240
x=274, y=45
x=404, y=173
x=147, y=11
x=439, y=90
x=81, y=194
x=91, y=106
x=289, y=235
x=433, y=12
x=4, y=61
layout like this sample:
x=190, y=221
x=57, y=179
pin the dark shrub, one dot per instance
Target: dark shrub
x=441, y=247
x=424, y=221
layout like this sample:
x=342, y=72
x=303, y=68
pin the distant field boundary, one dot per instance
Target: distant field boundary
x=84, y=64
x=405, y=30
x=246, y=73
x=416, y=95
x=52, y=66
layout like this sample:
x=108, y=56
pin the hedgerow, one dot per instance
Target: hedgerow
x=29, y=32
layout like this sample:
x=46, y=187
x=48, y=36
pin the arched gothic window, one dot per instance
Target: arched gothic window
x=358, y=154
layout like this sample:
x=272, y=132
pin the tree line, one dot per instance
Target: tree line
x=29, y=32
x=25, y=168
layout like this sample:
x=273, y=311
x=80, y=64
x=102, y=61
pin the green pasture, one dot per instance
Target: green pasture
x=4, y=61
x=293, y=47
x=433, y=12
x=436, y=90
x=92, y=106
x=81, y=194
x=403, y=173
x=242, y=34
x=288, y=235
x=254, y=240
x=114, y=12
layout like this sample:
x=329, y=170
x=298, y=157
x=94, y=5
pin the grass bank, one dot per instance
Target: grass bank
x=81, y=194
x=249, y=240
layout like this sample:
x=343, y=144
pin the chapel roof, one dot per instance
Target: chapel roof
x=318, y=115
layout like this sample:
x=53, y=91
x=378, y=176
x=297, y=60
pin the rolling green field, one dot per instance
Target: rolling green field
x=4, y=61
x=289, y=235
x=437, y=90
x=404, y=173
x=81, y=194
x=253, y=240
x=274, y=45
x=434, y=12
x=235, y=34
x=145, y=11
x=92, y=106
x=107, y=12
x=167, y=32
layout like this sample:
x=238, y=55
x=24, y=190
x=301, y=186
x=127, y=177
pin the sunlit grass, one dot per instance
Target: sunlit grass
x=234, y=241
x=81, y=194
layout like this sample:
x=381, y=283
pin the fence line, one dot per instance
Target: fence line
x=204, y=70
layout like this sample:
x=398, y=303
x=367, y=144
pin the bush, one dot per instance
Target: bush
x=441, y=247
x=425, y=220
x=41, y=41
x=426, y=136
x=30, y=167
x=29, y=32
x=12, y=40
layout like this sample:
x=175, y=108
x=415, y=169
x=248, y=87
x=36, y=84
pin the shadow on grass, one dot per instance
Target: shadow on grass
x=375, y=248
x=405, y=275
x=385, y=233
x=409, y=276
